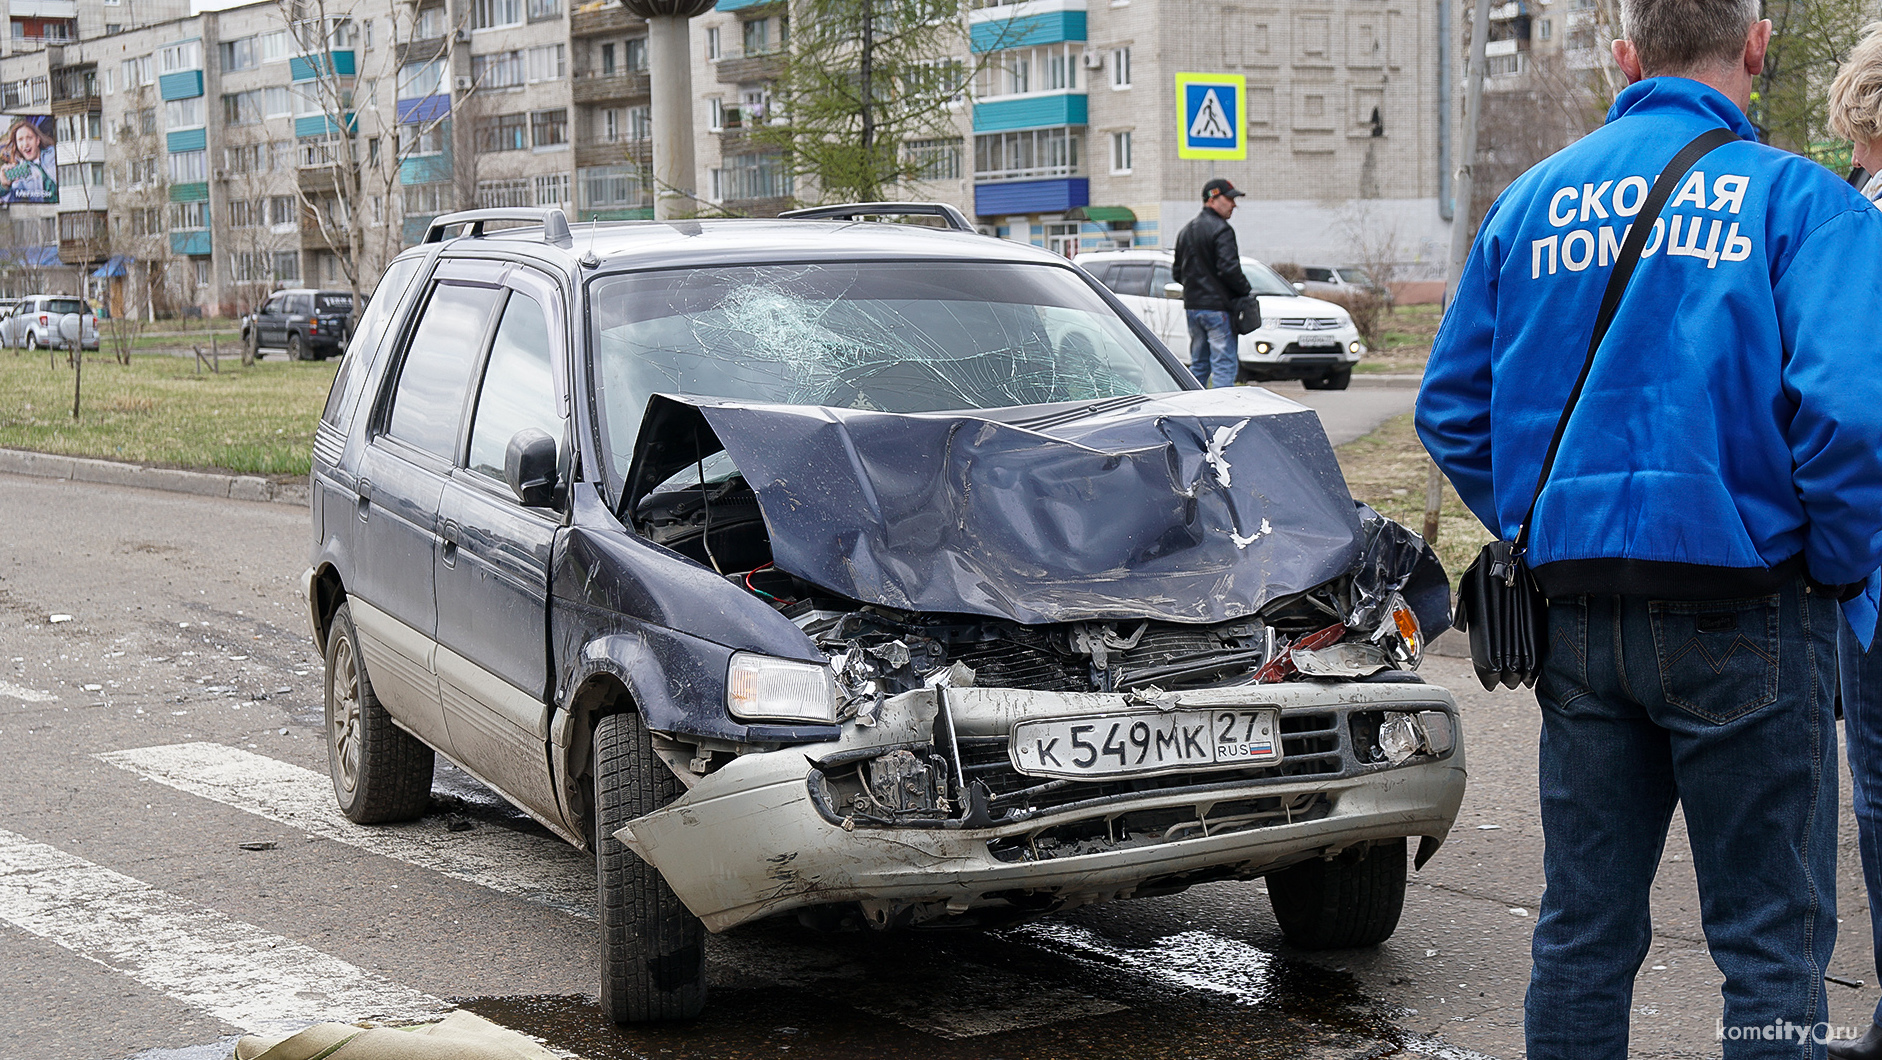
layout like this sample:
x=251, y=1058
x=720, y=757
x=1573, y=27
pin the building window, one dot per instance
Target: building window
x=241, y=108
x=611, y=188
x=712, y=43
x=552, y=190
x=201, y=267
x=287, y=265
x=137, y=71
x=428, y=23
x=187, y=55
x=715, y=114
x=502, y=194
x=183, y=113
x=634, y=54
x=610, y=131
x=503, y=132
x=427, y=198
x=1120, y=68
x=757, y=36
x=607, y=60
x=246, y=213
x=1027, y=154
x=544, y=9
x=82, y=174
x=281, y=210
x=493, y=13
x=187, y=167
x=189, y=215
x=933, y=159
x=415, y=141
x=1545, y=28
x=498, y=70
x=1120, y=152
x=640, y=123
x=274, y=46
x=1053, y=68
x=755, y=176
x=243, y=54
x=549, y=128
x=548, y=63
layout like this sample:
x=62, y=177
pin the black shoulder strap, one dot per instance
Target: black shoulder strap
x=1636, y=241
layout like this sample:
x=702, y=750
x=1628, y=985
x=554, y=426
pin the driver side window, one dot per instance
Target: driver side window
x=518, y=388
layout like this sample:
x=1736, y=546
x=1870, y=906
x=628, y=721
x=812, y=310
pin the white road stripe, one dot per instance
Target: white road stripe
x=536, y=868
x=242, y=975
x=550, y=872
x=29, y=695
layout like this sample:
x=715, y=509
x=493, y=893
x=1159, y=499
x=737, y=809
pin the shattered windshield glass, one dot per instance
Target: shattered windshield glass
x=886, y=336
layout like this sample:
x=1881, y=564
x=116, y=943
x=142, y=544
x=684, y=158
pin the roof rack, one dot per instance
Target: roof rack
x=555, y=224
x=850, y=211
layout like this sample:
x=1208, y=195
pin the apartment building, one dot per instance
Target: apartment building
x=206, y=159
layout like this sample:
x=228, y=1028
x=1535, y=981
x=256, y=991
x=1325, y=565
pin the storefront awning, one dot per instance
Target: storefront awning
x=118, y=265
x=1108, y=214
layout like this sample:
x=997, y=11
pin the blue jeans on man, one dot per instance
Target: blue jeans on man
x=1862, y=728
x=1725, y=709
x=1212, y=346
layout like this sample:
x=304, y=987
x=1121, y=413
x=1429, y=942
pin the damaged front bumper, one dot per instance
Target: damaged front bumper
x=776, y=831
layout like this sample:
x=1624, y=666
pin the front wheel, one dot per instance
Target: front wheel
x=380, y=772
x=653, y=951
x=1339, y=380
x=1354, y=900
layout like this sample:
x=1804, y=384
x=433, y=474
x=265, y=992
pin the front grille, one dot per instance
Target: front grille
x=1308, y=323
x=1310, y=746
x=1009, y=664
x=1168, y=825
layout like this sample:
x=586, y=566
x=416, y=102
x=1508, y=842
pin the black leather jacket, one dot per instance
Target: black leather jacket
x=1208, y=263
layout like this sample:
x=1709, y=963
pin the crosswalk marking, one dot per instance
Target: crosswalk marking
x=537, y=868
x=245, y=976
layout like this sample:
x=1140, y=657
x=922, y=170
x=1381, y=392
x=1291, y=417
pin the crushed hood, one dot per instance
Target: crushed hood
x=1196, y=506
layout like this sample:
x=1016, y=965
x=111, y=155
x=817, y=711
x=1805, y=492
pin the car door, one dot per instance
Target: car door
x=268, y=321
x=493, y=559
x=411, y=449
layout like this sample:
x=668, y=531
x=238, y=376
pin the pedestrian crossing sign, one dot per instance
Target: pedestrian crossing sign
x=1212, y=123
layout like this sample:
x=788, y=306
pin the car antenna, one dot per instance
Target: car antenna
x=588, y=257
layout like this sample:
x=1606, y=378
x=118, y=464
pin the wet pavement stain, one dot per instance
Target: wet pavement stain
x=1050, y=991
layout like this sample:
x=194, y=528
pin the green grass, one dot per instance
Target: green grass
x=1406, y=342
x=161, y=410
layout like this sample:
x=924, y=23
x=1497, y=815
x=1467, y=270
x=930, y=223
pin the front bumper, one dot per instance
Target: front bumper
x=762, y=835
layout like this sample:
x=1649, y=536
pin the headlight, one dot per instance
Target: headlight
x=1356, y=347
x=761, y=687
x=1262, y=347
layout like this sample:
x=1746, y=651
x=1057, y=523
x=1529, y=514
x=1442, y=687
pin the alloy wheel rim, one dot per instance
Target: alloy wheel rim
x=346, y=743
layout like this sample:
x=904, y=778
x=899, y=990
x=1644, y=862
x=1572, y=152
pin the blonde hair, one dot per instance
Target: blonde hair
x=1856, y=94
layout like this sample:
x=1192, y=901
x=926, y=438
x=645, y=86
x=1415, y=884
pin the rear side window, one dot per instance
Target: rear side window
x=301, y=305
x=1320, y=275
x=1160, y=277
x=428, y=406
x=1132, y=280
x=367, y=336
x=66, y=305
x=519, y=386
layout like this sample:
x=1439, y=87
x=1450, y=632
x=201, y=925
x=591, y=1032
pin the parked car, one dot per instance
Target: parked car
x=34, y=322
x=1342, y=284
x=308, y=324
x=873, y=573
x=1299, y=338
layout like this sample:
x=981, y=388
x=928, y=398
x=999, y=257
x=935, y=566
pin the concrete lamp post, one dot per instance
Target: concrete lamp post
x=670, y=77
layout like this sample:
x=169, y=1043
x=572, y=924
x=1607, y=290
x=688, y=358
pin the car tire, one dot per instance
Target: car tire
x=381, y=773
x=32, y=340
x=296, y=351
x=1339, y=380
x=653, y=951
x=1351, y=901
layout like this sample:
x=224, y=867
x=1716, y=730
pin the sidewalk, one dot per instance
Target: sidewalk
x=116, y=473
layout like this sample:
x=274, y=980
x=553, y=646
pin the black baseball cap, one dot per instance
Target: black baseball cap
x=1219, y=186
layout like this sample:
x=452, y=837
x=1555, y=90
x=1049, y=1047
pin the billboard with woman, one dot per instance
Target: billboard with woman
x=28, y=171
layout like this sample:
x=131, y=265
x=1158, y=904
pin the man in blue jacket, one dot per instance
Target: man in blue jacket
x=1719, y=483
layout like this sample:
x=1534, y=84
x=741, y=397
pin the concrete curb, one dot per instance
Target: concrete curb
x=1409, y=382
x=115, y=473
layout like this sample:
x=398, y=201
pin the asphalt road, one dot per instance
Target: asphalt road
x=1352, y=413
x=175, y=718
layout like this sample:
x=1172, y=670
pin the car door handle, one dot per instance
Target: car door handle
x=365, y=500
x=448, y=535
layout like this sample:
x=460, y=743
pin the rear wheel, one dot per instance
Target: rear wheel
x=296, y=352
x=653, y=951
x=32, y=340
x=1339, y=380
x=380, y=772
x=1353, y=900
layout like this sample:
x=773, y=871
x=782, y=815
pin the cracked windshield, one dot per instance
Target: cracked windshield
x=893, y=337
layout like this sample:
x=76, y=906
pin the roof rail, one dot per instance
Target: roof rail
x=555, y=224
x=849, y=211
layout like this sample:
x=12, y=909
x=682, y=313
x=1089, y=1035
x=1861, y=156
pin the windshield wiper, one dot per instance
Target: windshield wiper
x=1053, y=419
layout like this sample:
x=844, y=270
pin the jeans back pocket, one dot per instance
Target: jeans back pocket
x=1718, y=658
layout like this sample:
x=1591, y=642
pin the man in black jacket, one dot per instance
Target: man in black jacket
x=1209, y=266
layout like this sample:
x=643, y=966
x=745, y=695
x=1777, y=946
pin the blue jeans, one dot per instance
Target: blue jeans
x=1862, y=727
x=1724, y=708
x=1212, y=355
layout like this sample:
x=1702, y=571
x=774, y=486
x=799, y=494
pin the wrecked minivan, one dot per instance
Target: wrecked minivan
x=884, y=575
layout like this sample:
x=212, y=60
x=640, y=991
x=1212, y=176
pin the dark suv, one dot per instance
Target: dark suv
x=874, y=573
x=308, y=324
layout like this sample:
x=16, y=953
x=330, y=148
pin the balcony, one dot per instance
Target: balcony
x=751, y=69
x=606, y=20
x=596, y=88
x=639, y=152
x=422, y=51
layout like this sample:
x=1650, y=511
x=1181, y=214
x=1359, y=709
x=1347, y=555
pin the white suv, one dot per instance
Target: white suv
x=1300, y=338
x=34, y=322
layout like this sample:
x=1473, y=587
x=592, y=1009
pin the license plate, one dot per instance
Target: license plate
x=1118, y=745
x=1317, y=340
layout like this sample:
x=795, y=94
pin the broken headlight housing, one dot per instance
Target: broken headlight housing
x=761, y=688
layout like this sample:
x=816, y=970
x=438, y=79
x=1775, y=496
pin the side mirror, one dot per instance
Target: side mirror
x=1299, y=288
x=1173, y=290
x=529, y=467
